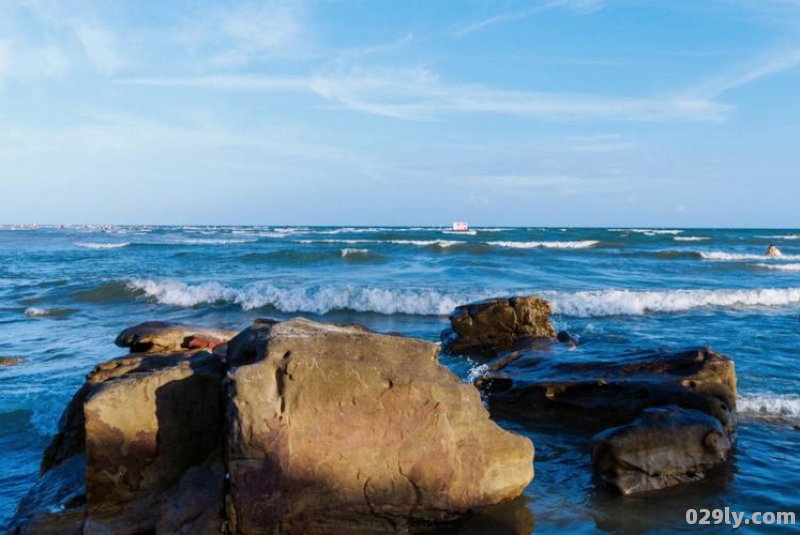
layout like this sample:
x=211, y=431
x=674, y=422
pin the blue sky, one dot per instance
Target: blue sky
x=545, y=113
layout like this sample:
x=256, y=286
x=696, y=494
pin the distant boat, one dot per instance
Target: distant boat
x=460, y=227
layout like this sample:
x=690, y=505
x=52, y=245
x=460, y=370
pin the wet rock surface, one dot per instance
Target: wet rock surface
x=666, y=446
x=494, y=325
x=673, y=413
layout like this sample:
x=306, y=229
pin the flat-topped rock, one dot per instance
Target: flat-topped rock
x=165, y=336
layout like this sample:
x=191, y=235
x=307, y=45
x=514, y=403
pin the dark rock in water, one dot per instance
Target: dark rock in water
x=338, y=430
x=495, y=325
x=565, y=338
x=11, y=361
x=664, y=447
x=599, y=394
x=57, y=503
x=319, y=428
x=165, y=336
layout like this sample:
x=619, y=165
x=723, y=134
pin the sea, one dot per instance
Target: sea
x=66, y=292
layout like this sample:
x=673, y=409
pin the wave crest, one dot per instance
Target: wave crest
x=629, y=302
x=317, y=300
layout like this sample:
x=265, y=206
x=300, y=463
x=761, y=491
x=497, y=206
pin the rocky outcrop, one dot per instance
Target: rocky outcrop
x=676, y=410
x=494, y=325
x=339, y=426
x=666, y=446
x=165, y=337
x=316, y=428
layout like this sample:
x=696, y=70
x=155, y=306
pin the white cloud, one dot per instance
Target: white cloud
x=100, y=47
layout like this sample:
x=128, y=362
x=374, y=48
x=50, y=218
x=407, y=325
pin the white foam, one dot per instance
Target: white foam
x=780, y=267
x=769, y=404
x=738, y=257
x=628, y=302
x=545, y=244
x=34, y=312
x=646, y=231
x=318, y=300
x=354, y=252
x=420, y=243
x=93, y=245
x=461, y=232
x=782, y=237
x=690, y=238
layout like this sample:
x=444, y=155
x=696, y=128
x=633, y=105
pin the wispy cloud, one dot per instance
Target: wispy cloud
x=577, y=6
x=554, y=184
x=767, y=65
x=419, y=94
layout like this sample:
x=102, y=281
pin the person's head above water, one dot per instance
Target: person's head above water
x=772, y=250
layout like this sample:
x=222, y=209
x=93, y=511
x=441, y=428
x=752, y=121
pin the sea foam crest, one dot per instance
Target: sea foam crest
x=738, y=257
x=768, y=404
x=629, y=302
x=420, y=243
x=780, y=267
x=347, y=251
x=317, y=299
x=691, y=238
x=545, y=244
x=100, y=245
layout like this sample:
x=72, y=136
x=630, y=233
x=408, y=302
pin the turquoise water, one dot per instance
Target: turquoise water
x=66, y=292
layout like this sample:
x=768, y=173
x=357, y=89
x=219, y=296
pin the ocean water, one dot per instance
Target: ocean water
x=65, y=293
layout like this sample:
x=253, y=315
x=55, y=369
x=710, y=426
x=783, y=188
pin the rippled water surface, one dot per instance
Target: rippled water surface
x=66, y=292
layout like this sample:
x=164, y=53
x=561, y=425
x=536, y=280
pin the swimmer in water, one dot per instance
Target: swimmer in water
x=773, y=251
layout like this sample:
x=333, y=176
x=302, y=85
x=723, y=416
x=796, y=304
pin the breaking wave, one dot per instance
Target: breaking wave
x=628, y=302
x=545, y=244
x=767, y=404
x=317, y=300
x=691, y=238
x=430, y=302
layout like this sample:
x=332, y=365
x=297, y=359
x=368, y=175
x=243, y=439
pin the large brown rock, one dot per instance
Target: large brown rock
x=165, y=337
x=598, y=394
x=495, y=325
x=666, y=446
x=337, y=429
x=144, y=429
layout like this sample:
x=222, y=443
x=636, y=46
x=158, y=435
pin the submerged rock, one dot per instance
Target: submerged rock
x=11, y=361
x=339, y=429
x=664, y=447
x=494, y=325
x=165, y=336
x=319, y=427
